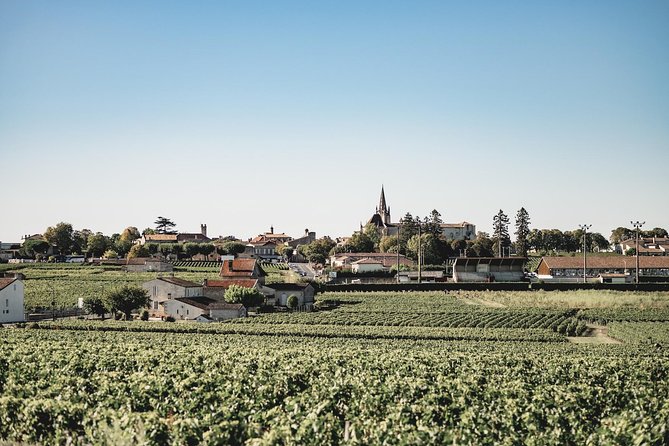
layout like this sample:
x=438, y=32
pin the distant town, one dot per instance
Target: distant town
x=403, y=250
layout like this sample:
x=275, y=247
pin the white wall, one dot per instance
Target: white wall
x=11, y=303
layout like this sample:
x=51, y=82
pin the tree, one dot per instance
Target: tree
x=96, y=305
x=619, y=234
x=164, y=225
x=138, y=251
x=130, y=234
x=206, y=249
x=249, y=297
x=234, y=247
x=127, y=299
x=165, y=249
x=80, y=240
x=408, y=228
x=433, y=223
x=372, y=233
x=110, y=254
x=599, y=241
x=97, y=244
x=292, y=301
x=388, y=243
x=318, y=250
x=500, y=224
x=31, y=248
x=153, y=248
x=190, y=249
x=122, y=247
x=429, y=248
x=359, y=242
x=655, y=232
x=481, y=246
x=522, y=231
x=60, y=236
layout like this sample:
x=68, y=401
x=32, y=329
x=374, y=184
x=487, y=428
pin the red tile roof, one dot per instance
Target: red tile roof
x=197, y=302
x=180, y=282
x=607, y=262
x=160, y=237
x=240, y=268
x=225, y=283
x=4, y=282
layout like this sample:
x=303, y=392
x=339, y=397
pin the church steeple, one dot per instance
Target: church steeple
x=383, y=210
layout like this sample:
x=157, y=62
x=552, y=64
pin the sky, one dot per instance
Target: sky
x=250, y=114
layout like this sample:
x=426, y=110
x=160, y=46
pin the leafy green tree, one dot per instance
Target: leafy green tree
x=31, y=248
x=80, y=241
x=359, y=242
x=388, y=243
x=60, y=237
x=191, y=249
x=318, y=250
x=234, y=247
x=553, y=239
x=620, y=234
x=372, y=232
x=110, y=254
x=459, y=247
x=153, y=248
x=249, y=297
x=428, y=244
x=500, y=224
x=165, y=249
x=433, y=223
x=164, y=225
x=96, y=305
x=292, y=301
x=130, y=234
x=598, y=241
x=481, y=246
x=122, y=247
x=138, y=251
x=408, y=228
x=128, y=299
x=206, y=248
x=97, y=244
x=655, y=232
x=177, y=248
x=522, y=231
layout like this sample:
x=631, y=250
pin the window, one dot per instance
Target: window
x=6, y=302
x=187, y=312
x=155, y=304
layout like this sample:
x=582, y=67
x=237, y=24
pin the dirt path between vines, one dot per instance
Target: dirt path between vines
x=481, y=302
x=596, y=334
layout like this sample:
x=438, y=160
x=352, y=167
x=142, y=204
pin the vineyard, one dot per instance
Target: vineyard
x=366, y=368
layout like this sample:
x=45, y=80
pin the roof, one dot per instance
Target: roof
x=225, y=283
x=491, y=260
x=160, y=237
x=200, y=302
x=388, y=259
x=141, y=260
x=368, y=261
x=6, y=281
x=241, y=268
x=455, y=225
x=180, y=282
x=606, y=262
x=288, y=286
x=225, y=306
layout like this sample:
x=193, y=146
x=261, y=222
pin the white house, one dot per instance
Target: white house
x=188, y=308
x=303, y=291
x=221, y=311
x=163, y=289
x=147, y=265
x=367, y=265
x=11, y=300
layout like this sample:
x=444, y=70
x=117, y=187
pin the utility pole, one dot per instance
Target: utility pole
x=637, y=225
x=399, y=226
x=420, y=249
x=584, y=228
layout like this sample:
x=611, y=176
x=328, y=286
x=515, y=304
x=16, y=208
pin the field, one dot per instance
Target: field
x=369, y=368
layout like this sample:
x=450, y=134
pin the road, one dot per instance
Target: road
x=303, y=269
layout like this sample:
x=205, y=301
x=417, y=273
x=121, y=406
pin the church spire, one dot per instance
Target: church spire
x=382, y=202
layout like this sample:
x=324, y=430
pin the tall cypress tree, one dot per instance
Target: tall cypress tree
x=522, y=231
x=500, y=224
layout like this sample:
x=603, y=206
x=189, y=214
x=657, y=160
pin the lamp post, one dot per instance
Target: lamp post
x=399, y=226
x=584, y=228
x=420, y=248
x=637, y=225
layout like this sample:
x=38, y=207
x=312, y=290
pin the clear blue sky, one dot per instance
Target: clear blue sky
x=248, y=114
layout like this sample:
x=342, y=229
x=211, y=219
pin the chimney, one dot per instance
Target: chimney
x=306, y=232
x=271, y=229
x=203, y=229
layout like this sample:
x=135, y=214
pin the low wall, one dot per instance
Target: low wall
x=495, y=286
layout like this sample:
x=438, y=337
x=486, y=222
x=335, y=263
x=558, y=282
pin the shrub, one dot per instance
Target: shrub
x=145, y=315
x=170, y=319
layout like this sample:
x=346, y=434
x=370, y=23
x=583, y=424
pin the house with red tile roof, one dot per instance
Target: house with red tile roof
x=572, y=267
x=242, y=268
x=215, y=289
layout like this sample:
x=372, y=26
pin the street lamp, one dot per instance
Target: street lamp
x=584, y=228
x=637, y=225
